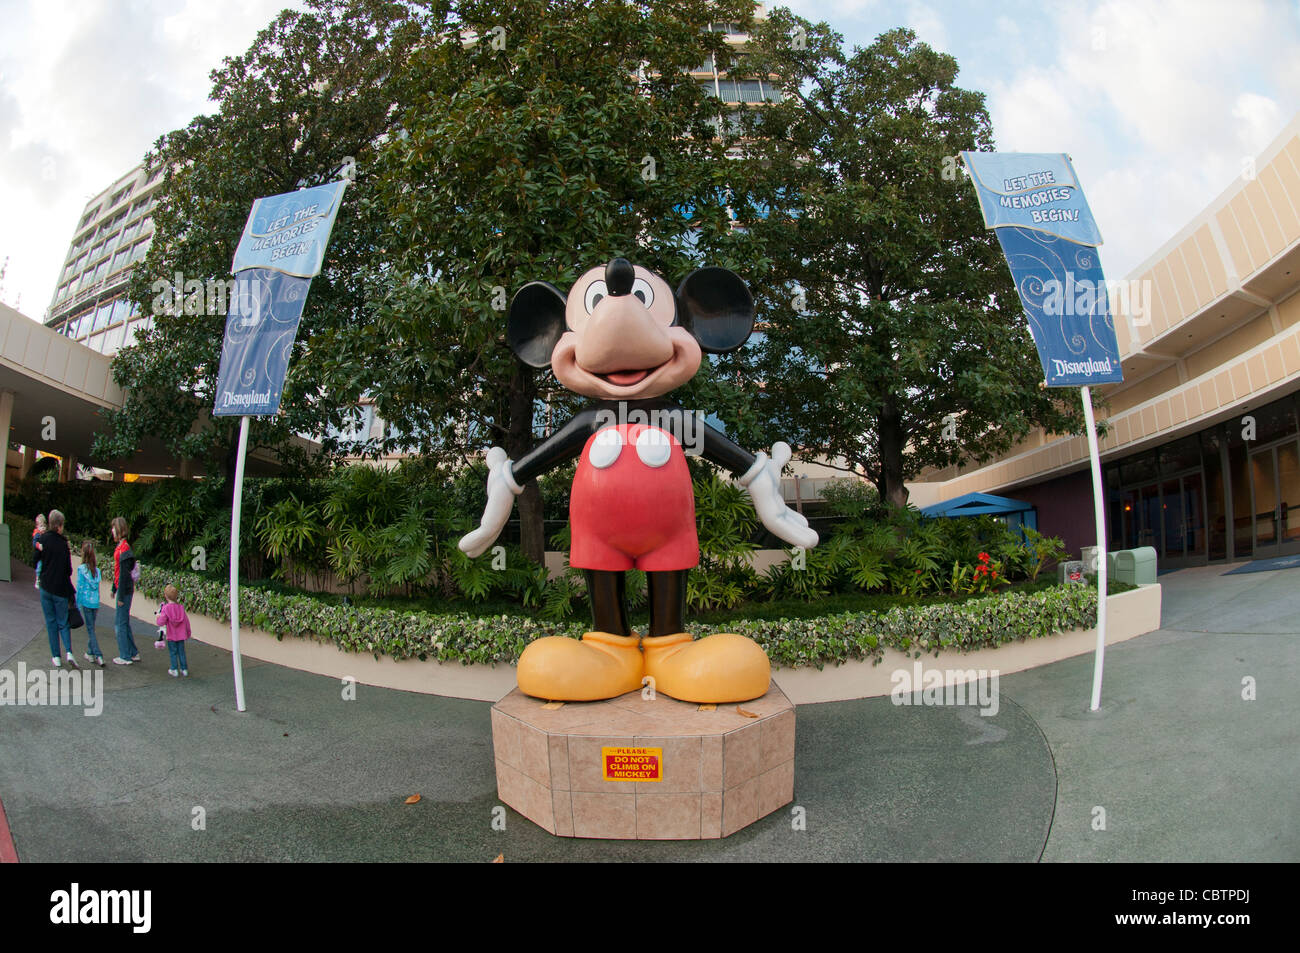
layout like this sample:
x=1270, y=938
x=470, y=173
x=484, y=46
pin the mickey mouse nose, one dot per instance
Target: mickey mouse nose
x=619, y=277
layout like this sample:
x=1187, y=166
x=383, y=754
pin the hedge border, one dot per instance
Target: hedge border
x=791, y=643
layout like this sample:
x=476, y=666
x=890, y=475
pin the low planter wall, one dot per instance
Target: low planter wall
x=1129, y=614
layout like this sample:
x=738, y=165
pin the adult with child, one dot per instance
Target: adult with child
x=56, y=588
x=123, y=591
x=171, y=615
x=88, y=577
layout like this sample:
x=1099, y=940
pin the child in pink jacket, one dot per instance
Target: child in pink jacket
x=172, y=616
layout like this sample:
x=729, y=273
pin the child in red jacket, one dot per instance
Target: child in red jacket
x=172, y=616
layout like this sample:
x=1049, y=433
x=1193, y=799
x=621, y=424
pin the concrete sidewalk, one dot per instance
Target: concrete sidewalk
x=1183, y=768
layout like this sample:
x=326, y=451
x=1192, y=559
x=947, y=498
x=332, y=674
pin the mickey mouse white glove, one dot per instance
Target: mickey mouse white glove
x=501, y=492
x=763, y=480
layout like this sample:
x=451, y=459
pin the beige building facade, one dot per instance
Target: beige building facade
x=1201, y=458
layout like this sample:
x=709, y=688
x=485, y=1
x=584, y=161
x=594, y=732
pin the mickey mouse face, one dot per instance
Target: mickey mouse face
x=622, y=334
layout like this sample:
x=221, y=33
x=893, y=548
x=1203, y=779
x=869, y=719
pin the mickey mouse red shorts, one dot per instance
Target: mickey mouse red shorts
x=632, y=506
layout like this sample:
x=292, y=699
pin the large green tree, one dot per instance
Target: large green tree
x=548, y=137
x=894, y=337
x=316, y=88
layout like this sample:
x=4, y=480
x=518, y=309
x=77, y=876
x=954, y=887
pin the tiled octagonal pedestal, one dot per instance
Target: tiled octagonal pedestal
x=719, y=770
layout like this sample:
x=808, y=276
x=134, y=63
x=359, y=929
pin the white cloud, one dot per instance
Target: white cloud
x=86, y=88
x=928, y=26
x=1156, y=103
x=1258, y=120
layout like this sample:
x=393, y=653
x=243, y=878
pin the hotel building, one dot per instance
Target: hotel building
x=89, y=303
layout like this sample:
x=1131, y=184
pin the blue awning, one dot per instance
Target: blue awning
x=976, y=504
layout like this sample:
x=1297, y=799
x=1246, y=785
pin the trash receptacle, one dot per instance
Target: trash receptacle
x=1071, y=571
x=1137, y=567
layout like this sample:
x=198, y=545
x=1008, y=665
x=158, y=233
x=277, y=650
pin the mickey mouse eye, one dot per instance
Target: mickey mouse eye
x=641, y=288
x=595, y=291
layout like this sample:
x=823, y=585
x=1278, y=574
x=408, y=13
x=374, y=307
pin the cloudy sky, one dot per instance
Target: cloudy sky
x=1159, y=102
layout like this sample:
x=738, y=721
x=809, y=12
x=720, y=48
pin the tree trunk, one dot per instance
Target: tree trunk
x=519, y=440
x=892, y=442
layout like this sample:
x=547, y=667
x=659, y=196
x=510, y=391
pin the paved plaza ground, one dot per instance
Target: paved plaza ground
x=1183, y=767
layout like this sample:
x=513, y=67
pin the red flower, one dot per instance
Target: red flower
x=995, y=575
x=984, y=557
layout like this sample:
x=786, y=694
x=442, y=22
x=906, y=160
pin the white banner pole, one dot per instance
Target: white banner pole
x=234, y=564
x=1099, y=657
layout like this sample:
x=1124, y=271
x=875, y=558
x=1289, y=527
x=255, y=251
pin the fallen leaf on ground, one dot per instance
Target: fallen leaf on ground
x=500, y=859
x=413, y=799
x=747, y=714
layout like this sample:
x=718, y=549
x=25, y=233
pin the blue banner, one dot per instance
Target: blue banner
x=1032, y=190
x=1063, y=292
x=289, y=232
x=261, y=325
x=1049, y=237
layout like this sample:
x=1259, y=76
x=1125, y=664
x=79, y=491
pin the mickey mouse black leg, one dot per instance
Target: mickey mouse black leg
x=667, y=602
x=607, y=592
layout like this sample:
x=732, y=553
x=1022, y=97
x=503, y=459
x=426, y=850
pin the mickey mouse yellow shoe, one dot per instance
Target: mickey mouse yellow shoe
x=562, y=669
x=718, y=668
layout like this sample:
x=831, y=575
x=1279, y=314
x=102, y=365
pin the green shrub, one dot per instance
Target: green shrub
x=816, y=641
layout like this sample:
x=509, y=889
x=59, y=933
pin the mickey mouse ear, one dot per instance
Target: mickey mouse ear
x=536, y=323
x=716, y=306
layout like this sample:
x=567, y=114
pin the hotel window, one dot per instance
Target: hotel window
x=113, y=339
x=120, y=308
x=750, y=91
x=102, y=314
x=121, y=260
x=138, y=251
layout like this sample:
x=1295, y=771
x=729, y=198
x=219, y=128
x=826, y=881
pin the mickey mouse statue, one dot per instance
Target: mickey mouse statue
x=621, y=336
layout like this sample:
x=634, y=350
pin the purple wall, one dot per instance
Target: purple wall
x=1064, y=508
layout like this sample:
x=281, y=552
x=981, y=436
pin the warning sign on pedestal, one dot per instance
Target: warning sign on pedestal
x=633, y=764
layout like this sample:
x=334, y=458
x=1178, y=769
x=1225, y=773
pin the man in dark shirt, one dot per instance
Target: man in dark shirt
x=57, y=590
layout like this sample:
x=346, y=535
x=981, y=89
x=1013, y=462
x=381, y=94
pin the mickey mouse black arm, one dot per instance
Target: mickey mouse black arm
x=567, y=442
x=718, y=448
x=557, y=449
